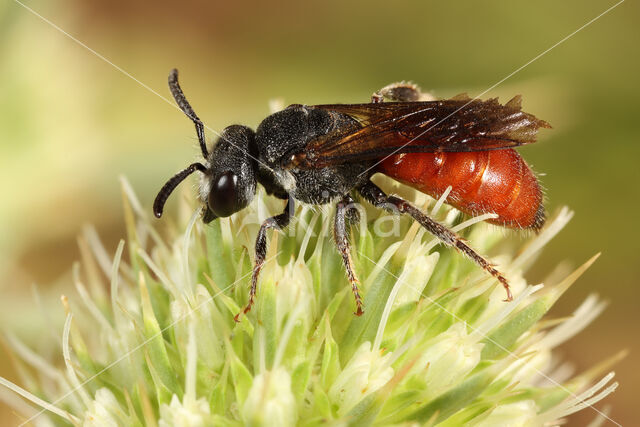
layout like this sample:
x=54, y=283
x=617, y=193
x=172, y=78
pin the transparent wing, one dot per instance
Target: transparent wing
x=457, y=124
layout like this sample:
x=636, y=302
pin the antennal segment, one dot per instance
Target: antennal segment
x=167, y=189
x=184, y=105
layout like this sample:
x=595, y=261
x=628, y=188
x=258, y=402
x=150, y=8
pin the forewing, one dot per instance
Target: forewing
x=458, y=124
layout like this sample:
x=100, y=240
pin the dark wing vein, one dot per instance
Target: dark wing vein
x=457, y=124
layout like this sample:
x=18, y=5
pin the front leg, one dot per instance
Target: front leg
x=378, y=198
x=341, y=236
x=278, y=222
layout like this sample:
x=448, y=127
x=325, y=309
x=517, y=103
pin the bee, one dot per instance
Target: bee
x=322, y=154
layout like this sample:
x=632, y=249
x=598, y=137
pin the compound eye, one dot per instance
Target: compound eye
x=223, y=197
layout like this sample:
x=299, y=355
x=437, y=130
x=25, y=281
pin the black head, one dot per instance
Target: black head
x=228, y=181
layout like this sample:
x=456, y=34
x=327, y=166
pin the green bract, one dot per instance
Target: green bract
x=436, y=345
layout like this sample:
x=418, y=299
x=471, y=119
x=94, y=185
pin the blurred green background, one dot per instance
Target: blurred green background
x=71, y=123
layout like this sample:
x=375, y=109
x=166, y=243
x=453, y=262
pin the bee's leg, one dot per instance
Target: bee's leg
x=279, y=222
x=346, y=214
x=399, y=92
x=378, y=198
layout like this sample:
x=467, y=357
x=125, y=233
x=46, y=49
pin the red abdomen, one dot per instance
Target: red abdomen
x=497, y=181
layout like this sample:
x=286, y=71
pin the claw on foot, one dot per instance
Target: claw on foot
x=507, y=289
x=245, y=311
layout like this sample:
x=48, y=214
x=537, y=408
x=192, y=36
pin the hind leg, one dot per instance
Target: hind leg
x=398, y=92
x=378, y=198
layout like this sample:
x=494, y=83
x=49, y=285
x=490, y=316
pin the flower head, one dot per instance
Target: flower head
x=436, y=343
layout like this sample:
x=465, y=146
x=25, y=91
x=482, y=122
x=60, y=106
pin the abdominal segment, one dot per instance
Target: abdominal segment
x=496, y=181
